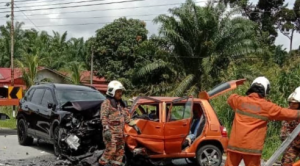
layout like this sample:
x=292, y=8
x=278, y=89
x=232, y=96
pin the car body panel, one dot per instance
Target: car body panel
x=175, y=132
x=40, y=118
x=221, y=89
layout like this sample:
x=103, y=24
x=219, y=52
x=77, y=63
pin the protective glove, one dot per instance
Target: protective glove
x=107, y=135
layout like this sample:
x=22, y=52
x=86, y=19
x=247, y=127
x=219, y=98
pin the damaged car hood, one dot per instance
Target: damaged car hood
x=80, y=105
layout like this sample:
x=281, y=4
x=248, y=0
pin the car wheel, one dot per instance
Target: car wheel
x=23, y=137
x=209, y=155
x=55, y=139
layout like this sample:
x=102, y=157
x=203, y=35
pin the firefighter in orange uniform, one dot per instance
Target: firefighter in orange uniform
x=252, y=113
x=293, y=151
x=114, y=116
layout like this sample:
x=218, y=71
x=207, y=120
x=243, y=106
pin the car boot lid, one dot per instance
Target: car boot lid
x=221, y=89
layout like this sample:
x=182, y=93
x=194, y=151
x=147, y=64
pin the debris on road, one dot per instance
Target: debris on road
x=90, y=159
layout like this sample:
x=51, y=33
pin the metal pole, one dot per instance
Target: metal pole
x=285, y=144
x=12, y=43
x=92, y=66
x=12, y=50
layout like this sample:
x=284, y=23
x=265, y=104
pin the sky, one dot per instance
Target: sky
x=81, y=18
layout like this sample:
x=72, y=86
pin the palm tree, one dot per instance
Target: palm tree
x=58, y=49
x=29, y=66
x=204, y=41
x=5, y=42
x=74, y=70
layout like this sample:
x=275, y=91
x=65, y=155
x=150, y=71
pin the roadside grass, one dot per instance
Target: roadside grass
x=9, y=123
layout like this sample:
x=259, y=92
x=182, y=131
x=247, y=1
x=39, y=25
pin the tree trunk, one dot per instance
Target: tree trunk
x=291, y=40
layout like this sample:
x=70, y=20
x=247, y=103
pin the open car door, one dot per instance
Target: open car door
x=177, y=126
x=151, y=136
x=221, y=89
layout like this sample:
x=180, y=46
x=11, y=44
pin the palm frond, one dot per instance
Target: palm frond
x=183, y=85
x=151, y=67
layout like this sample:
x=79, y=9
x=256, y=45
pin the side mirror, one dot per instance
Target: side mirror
x=50, y=105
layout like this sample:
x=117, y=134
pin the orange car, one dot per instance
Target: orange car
x=165, y=122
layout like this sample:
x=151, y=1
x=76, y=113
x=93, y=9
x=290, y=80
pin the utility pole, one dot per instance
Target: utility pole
x=92, y=65
x=12, y=42
x=12, y=49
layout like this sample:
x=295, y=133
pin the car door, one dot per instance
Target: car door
x=45, y=113
x=177, y=126
x=35, y=106
x=26, y=109
x=152, y=136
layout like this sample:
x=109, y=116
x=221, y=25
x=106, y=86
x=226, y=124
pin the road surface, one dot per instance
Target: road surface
x=12, y=154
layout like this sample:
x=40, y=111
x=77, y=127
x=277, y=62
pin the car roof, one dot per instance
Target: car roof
x=66, y=86
x=151, y=99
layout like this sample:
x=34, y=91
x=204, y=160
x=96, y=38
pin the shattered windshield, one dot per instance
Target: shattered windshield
x=64, y=96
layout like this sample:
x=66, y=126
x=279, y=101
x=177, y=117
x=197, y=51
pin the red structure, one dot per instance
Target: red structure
x=5, y=78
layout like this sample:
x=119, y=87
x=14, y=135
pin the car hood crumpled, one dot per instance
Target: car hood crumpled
x=81, y=105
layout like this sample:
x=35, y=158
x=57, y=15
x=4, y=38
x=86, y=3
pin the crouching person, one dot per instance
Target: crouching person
x=293, y=151
x=114, y=116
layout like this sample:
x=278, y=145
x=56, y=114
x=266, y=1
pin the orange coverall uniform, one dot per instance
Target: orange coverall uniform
x=248, y=133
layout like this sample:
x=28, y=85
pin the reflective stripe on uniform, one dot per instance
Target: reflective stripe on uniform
x=116, y=162
x=103, y=160
x=252, y=115
x=254, y=151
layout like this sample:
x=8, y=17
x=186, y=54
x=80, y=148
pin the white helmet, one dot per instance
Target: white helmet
x=295, y=96
x=262, y=81
x=113, y=86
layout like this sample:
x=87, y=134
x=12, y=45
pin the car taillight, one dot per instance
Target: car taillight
x=223, y=131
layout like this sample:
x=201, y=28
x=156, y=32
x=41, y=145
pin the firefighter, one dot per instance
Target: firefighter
x=114, y=116
x=293, y=150
x=252, y=113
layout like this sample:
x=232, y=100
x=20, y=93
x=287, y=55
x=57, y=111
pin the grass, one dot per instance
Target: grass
x=9, y=123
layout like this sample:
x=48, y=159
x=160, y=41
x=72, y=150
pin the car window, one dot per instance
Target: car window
x=37, y=96
x=152, y=110
x=47, y=98
x=179, y=112
x=71, y=95
x=28, y=94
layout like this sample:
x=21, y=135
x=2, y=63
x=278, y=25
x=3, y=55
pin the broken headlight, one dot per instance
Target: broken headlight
x=73, y=141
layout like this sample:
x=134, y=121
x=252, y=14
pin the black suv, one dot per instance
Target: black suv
x=61, y=114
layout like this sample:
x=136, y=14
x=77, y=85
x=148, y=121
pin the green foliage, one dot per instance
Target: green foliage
x=204, y=40
x=29, y=66
x=75, y=69
x=114, y=46
x=9, y=123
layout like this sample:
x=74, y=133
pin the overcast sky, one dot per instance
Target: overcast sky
x=91, y=15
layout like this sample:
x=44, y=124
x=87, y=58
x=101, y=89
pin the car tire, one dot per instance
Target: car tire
x=209, y=155
x=55, y=141
x=22, y=131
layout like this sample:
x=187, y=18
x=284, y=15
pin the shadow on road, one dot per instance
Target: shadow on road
x=4, y=132
x=43, y=147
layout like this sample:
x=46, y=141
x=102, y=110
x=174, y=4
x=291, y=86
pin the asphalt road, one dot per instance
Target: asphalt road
x=12, y=154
